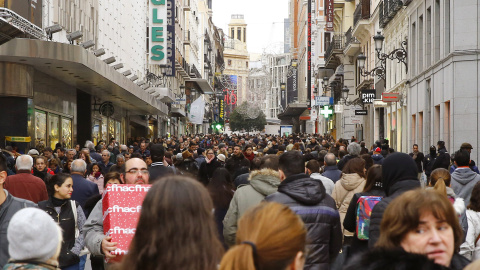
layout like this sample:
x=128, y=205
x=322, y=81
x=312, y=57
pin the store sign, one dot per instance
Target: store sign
x=361, y=112
x=322, y=101
x=292, y=85
x=170, y=68
x=221, y=114
x=161, y=23
x=326, y=111
x=390, y=97
x=329, y=15
x=309, y=54
x=368, y=96
x=180, y=101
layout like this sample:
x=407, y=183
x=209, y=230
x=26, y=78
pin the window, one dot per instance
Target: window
x=447, y=27
x=239, y=33
x=420, y=44
x=229, y=62
x=246, y=64
x=232, y=33
x=245, y=35
x=446, y=123
x=436, y=123
x=428, y=41
x=40, y=128
x=437, y=30
x=413, y=51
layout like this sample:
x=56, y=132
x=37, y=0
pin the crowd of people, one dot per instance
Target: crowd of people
x=244, y=202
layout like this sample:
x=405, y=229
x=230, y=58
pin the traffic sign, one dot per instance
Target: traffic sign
x=323, y=101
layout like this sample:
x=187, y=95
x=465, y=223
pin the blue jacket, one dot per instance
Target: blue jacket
x=83, y=189
x=332, y=173
x=105, y=168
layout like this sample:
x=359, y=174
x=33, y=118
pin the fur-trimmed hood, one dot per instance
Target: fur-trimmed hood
x=265, y=181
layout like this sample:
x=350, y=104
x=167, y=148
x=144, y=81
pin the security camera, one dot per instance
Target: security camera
x=74, y=36
x=87, y=44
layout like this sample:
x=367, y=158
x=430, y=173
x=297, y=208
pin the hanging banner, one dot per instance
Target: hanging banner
x=197, y=110
x=221, y=111
x=283, y=93
x=309, y=56
x=170, y=68
x=292, y=86
x=329, y=15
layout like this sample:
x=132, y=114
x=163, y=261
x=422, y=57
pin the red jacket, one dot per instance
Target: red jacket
x=26, y=186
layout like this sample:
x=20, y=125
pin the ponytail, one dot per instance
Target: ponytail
x=440, y=187
x=239, y=257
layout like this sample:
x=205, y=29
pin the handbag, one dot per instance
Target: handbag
x=85, y=250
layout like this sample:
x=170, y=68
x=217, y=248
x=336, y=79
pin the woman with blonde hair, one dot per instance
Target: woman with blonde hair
x=270, y=236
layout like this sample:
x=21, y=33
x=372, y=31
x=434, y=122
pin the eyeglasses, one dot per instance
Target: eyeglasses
x=135, y=171
x=210, y=153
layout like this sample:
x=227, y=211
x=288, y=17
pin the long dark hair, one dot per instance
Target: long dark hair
x=374, y=178
x=475, y=199
x=176, y=229
x=221, y=188
x=355, y=165
x=57, y=179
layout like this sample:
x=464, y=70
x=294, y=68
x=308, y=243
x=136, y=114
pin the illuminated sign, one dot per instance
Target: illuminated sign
x=222, y=113
x=326, y=111
x=368, y=96
x=309, y=54
x=170, y=65
x=158, y=27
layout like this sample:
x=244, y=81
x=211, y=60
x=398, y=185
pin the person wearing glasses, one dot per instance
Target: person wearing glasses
x=136, y=173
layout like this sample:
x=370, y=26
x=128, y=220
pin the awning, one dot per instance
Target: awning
x=177, y=112
x=293, y=110
x=80, y=68
x=203, y=84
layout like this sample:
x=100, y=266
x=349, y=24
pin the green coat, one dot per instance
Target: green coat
x=262, y=183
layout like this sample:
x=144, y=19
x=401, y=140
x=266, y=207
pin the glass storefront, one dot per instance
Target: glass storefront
x=51, y=128
x=104, y=128
x=118, y=128
x=96, y=131
x=40, y=129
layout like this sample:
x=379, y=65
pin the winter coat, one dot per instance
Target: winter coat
x=308, y=199
x=327, y=183
x=236, y=162
x=395, y=190
x=206, y=170
x=17, y=265
x=469, y=248
x=350, y=221
x=332, y=173
x=377, y=159
x=380, y=258
x=8, y=208
x=188, y=166
x=343, y=191
x=344, y=161
x=463, y=181
x=64, y=217
x=442, y=160
x=262, y=183
x=98, y=181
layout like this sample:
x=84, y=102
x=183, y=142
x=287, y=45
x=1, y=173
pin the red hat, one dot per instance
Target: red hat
x=378, y=150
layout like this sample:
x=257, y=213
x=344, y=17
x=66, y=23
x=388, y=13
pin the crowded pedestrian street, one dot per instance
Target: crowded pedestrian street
x=239, y=135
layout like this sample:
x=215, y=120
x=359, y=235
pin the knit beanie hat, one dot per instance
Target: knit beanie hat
x=33, y=235
x=398, y=167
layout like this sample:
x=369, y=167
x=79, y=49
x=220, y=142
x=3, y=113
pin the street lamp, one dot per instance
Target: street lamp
x=399, y=54
x=345, y=91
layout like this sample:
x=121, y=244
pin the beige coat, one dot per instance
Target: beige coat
x=343, y=192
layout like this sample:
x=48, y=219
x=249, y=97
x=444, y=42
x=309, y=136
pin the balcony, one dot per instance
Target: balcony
x=362, y=12
x=352, y=45
x=334, y=47
x=186, y=38
x=186, y=5
x=388, y=9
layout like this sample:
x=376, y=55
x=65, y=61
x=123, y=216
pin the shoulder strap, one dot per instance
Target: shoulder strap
x=476, y=240
x=74, y=209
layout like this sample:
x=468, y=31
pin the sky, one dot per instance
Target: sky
x=264, y=20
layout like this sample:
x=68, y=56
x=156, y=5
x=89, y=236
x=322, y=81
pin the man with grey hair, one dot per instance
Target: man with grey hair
x=82, y=188
x=353, y=150
x=120, y=165
x=331, y=170
x=24, y=185
x=93, y=154
x=105, y=164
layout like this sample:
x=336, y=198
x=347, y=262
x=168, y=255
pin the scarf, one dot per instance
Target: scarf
x=58, y=202
x=209, y=160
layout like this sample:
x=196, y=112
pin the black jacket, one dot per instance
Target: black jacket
x=7, y=209
x=350, y=221
x=158, y=170
x=380, y=259
x=206, y=170
x=344, y=161
x=442, y=160
x=236, y=162
x=308, y=199
x=66, y=221
x=377, y=213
